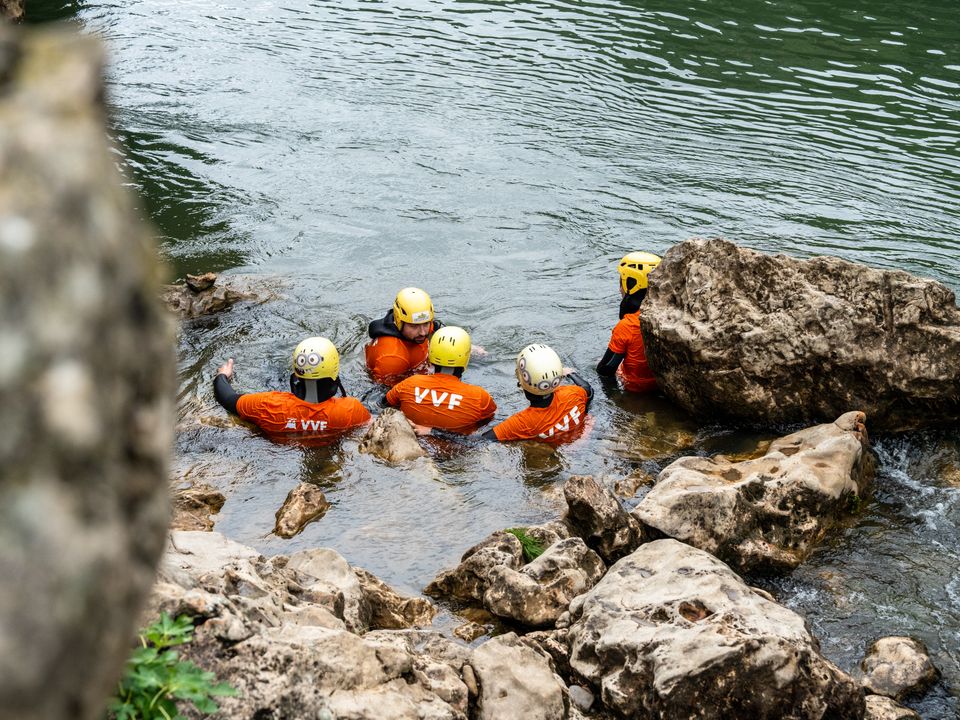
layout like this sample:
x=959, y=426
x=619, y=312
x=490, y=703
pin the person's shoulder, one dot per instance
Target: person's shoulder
x=350, y=405
x=573, y=392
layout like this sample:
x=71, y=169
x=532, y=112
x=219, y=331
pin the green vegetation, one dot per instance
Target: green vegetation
x=156, y=678
x=856, y=504
x=532, y=549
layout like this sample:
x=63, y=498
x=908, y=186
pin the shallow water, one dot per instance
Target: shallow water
x=503, y=156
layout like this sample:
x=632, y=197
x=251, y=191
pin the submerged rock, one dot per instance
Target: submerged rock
x=536, y=594
x=731, y=332
x=390, y=437
x=193, y=506
x=897, y=667
x=304, y=504
x=672, y=632
x=767, y=512
x=86, y=386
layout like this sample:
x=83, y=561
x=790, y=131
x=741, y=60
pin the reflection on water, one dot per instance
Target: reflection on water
x=503, y=156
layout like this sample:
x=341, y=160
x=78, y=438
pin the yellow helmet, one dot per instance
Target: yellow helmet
x=636, y=266
x=413, y=306
x=316, y=358
x=539, y=369
x=450, y=347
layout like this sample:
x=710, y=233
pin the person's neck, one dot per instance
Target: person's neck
x=539, y=401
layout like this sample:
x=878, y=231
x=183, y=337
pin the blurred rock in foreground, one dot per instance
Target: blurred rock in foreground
x=86, y=387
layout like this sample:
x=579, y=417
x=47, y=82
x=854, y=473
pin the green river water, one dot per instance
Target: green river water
x=503, y=156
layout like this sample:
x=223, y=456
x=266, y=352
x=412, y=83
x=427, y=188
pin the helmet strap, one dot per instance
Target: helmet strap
x=343, y=392
x=314, y=391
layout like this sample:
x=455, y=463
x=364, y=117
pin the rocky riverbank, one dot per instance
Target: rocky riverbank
x=608, y=621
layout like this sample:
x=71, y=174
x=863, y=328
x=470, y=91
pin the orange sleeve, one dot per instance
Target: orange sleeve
x=393, y=395
x=619, y=338
x=487, y=406
x=513, y=428
x=247, y=405
x=384, y=359
x=353, y=414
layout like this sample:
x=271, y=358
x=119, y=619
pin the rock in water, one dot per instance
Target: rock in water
x=897, y=667
x=516, y=682
x=391, y=438
x=11, y=10
x=304, y=504
x=731, y=332
x=768, y=512
x=86, y=387
x=671, y=632
x=193, y=506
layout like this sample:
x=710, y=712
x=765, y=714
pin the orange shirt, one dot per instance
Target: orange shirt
x=443, y=401
x=283, y=414
x=390, y=359
x=561, y=421
x=627, y=340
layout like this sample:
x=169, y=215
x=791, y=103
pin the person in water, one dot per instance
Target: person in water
x=625, y=355
x=557, y=412
x=309, y=410
x=442, y=400
x=398, y=344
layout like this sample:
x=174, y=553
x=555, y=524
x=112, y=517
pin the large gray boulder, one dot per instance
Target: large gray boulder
x=731, y=332
x=672, y=632
x=768, y=512
x=86, y=387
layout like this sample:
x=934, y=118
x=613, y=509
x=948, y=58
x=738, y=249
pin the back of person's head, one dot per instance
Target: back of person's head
x=316, y=370
x=539, y=370
x=634, y=270
x=450, y=350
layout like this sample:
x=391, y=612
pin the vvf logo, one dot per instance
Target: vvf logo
x=305, y=425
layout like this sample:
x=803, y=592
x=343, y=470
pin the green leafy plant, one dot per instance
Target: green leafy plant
x=532, y=548
x=156, y=678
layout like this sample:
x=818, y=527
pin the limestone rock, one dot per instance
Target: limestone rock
x=11, y=10
x=768, y=512
x=897, y=667
x=86, y=421
x=193, y=506
x=304, y=504
x=470, y=579
x=205, y=296
x=671, y=631
x=516, y=682
x=883, y=708
x=734, y=333
x=595, y=514
x=536, y=594
x=390, y=437
x=316, y=672
x=390, y=610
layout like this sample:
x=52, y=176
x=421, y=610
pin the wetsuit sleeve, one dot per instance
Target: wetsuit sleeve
x=489, y=435
x=616, y=351
x=577, y=380
x=469, y=440
x=225, y=394
x=607, y=367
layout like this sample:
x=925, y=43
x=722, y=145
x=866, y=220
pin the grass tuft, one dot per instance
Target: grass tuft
x=532, y=548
